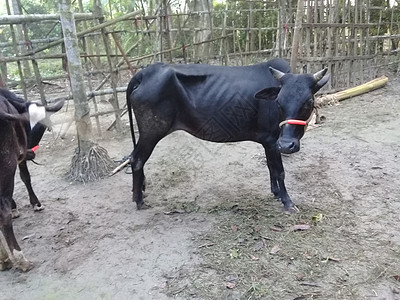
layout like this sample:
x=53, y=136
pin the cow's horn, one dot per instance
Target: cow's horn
x=276, y=73
x=55, y=106
x=318, y=76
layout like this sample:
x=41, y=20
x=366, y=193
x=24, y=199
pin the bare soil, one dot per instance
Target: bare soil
x=214, y=231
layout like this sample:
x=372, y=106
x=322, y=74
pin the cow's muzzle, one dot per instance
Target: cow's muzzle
x=288, y=145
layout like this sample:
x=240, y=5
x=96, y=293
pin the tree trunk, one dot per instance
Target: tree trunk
x=90, y=161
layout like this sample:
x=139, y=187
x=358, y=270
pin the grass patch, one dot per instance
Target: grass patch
x=255, y=252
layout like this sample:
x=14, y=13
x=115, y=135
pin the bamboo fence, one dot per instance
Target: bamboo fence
x=357, y=42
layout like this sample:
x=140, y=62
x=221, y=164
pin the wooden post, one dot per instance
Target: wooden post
x=167, y=32
x=3, y=72
x=296, y=35
x=21, y=32
x=114, y=100
x=38, y=77
x=85, y=45
x=308, y=34
x=14, y=39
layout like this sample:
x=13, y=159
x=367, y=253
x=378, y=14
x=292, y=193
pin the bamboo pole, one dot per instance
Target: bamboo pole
x=34, y=18
x=35, y=66
x=114, y=100
x=89, y=95
x=296, y=35
x=90, y=30
x=21, y=33
x=85, y=45
x=14, y=39
x=355, y=91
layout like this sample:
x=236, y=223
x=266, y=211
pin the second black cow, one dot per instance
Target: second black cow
x=263, y=103
x=34, y=131
x=19, y=130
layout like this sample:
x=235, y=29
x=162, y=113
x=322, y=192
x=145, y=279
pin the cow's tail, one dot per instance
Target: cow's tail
x=129, y=91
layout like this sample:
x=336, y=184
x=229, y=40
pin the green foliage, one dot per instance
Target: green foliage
x=41, y=30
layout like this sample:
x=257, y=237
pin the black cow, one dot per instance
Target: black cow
x=34, y=132
x=263, y=103
x=16, y=120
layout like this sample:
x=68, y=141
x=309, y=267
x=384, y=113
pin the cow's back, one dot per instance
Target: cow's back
x=214, y=103
x=202, y=82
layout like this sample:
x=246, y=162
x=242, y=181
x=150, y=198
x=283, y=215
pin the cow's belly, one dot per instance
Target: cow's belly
x=219, y=127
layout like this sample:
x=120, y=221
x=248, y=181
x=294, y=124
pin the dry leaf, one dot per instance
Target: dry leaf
x=259, y=245
x=275, y=249
x=307, y=255
x=397, y=277
x=230, y=285
x=254, y=257
x=234, y=228
x=232, y=278
x=300, y=227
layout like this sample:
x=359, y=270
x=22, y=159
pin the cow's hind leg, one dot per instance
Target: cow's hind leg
x=14, y=210
x=139, y=156
x=26, y=178
x=277, y=176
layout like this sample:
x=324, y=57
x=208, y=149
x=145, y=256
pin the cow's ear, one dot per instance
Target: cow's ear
x=268, y=93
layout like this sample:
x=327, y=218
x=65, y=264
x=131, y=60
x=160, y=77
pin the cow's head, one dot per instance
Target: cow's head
x=39, y=119
x=295, y=102
x=41, y=114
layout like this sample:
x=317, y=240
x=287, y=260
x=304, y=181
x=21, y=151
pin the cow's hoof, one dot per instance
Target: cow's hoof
x=142, y=206
x=291, y=209
x=20, y=262
x=5, y=265
x=38, y=208
x=15, y=213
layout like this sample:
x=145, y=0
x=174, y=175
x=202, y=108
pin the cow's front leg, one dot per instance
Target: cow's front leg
x=277, y=177
x=26, y=179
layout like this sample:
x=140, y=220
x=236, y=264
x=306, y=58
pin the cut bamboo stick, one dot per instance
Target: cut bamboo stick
x=120, y=167
x=355, y=91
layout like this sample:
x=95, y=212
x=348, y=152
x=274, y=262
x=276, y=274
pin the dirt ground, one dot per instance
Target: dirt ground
x=214, y=231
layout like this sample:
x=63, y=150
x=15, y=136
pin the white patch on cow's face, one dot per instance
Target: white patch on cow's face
x=36, y=114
